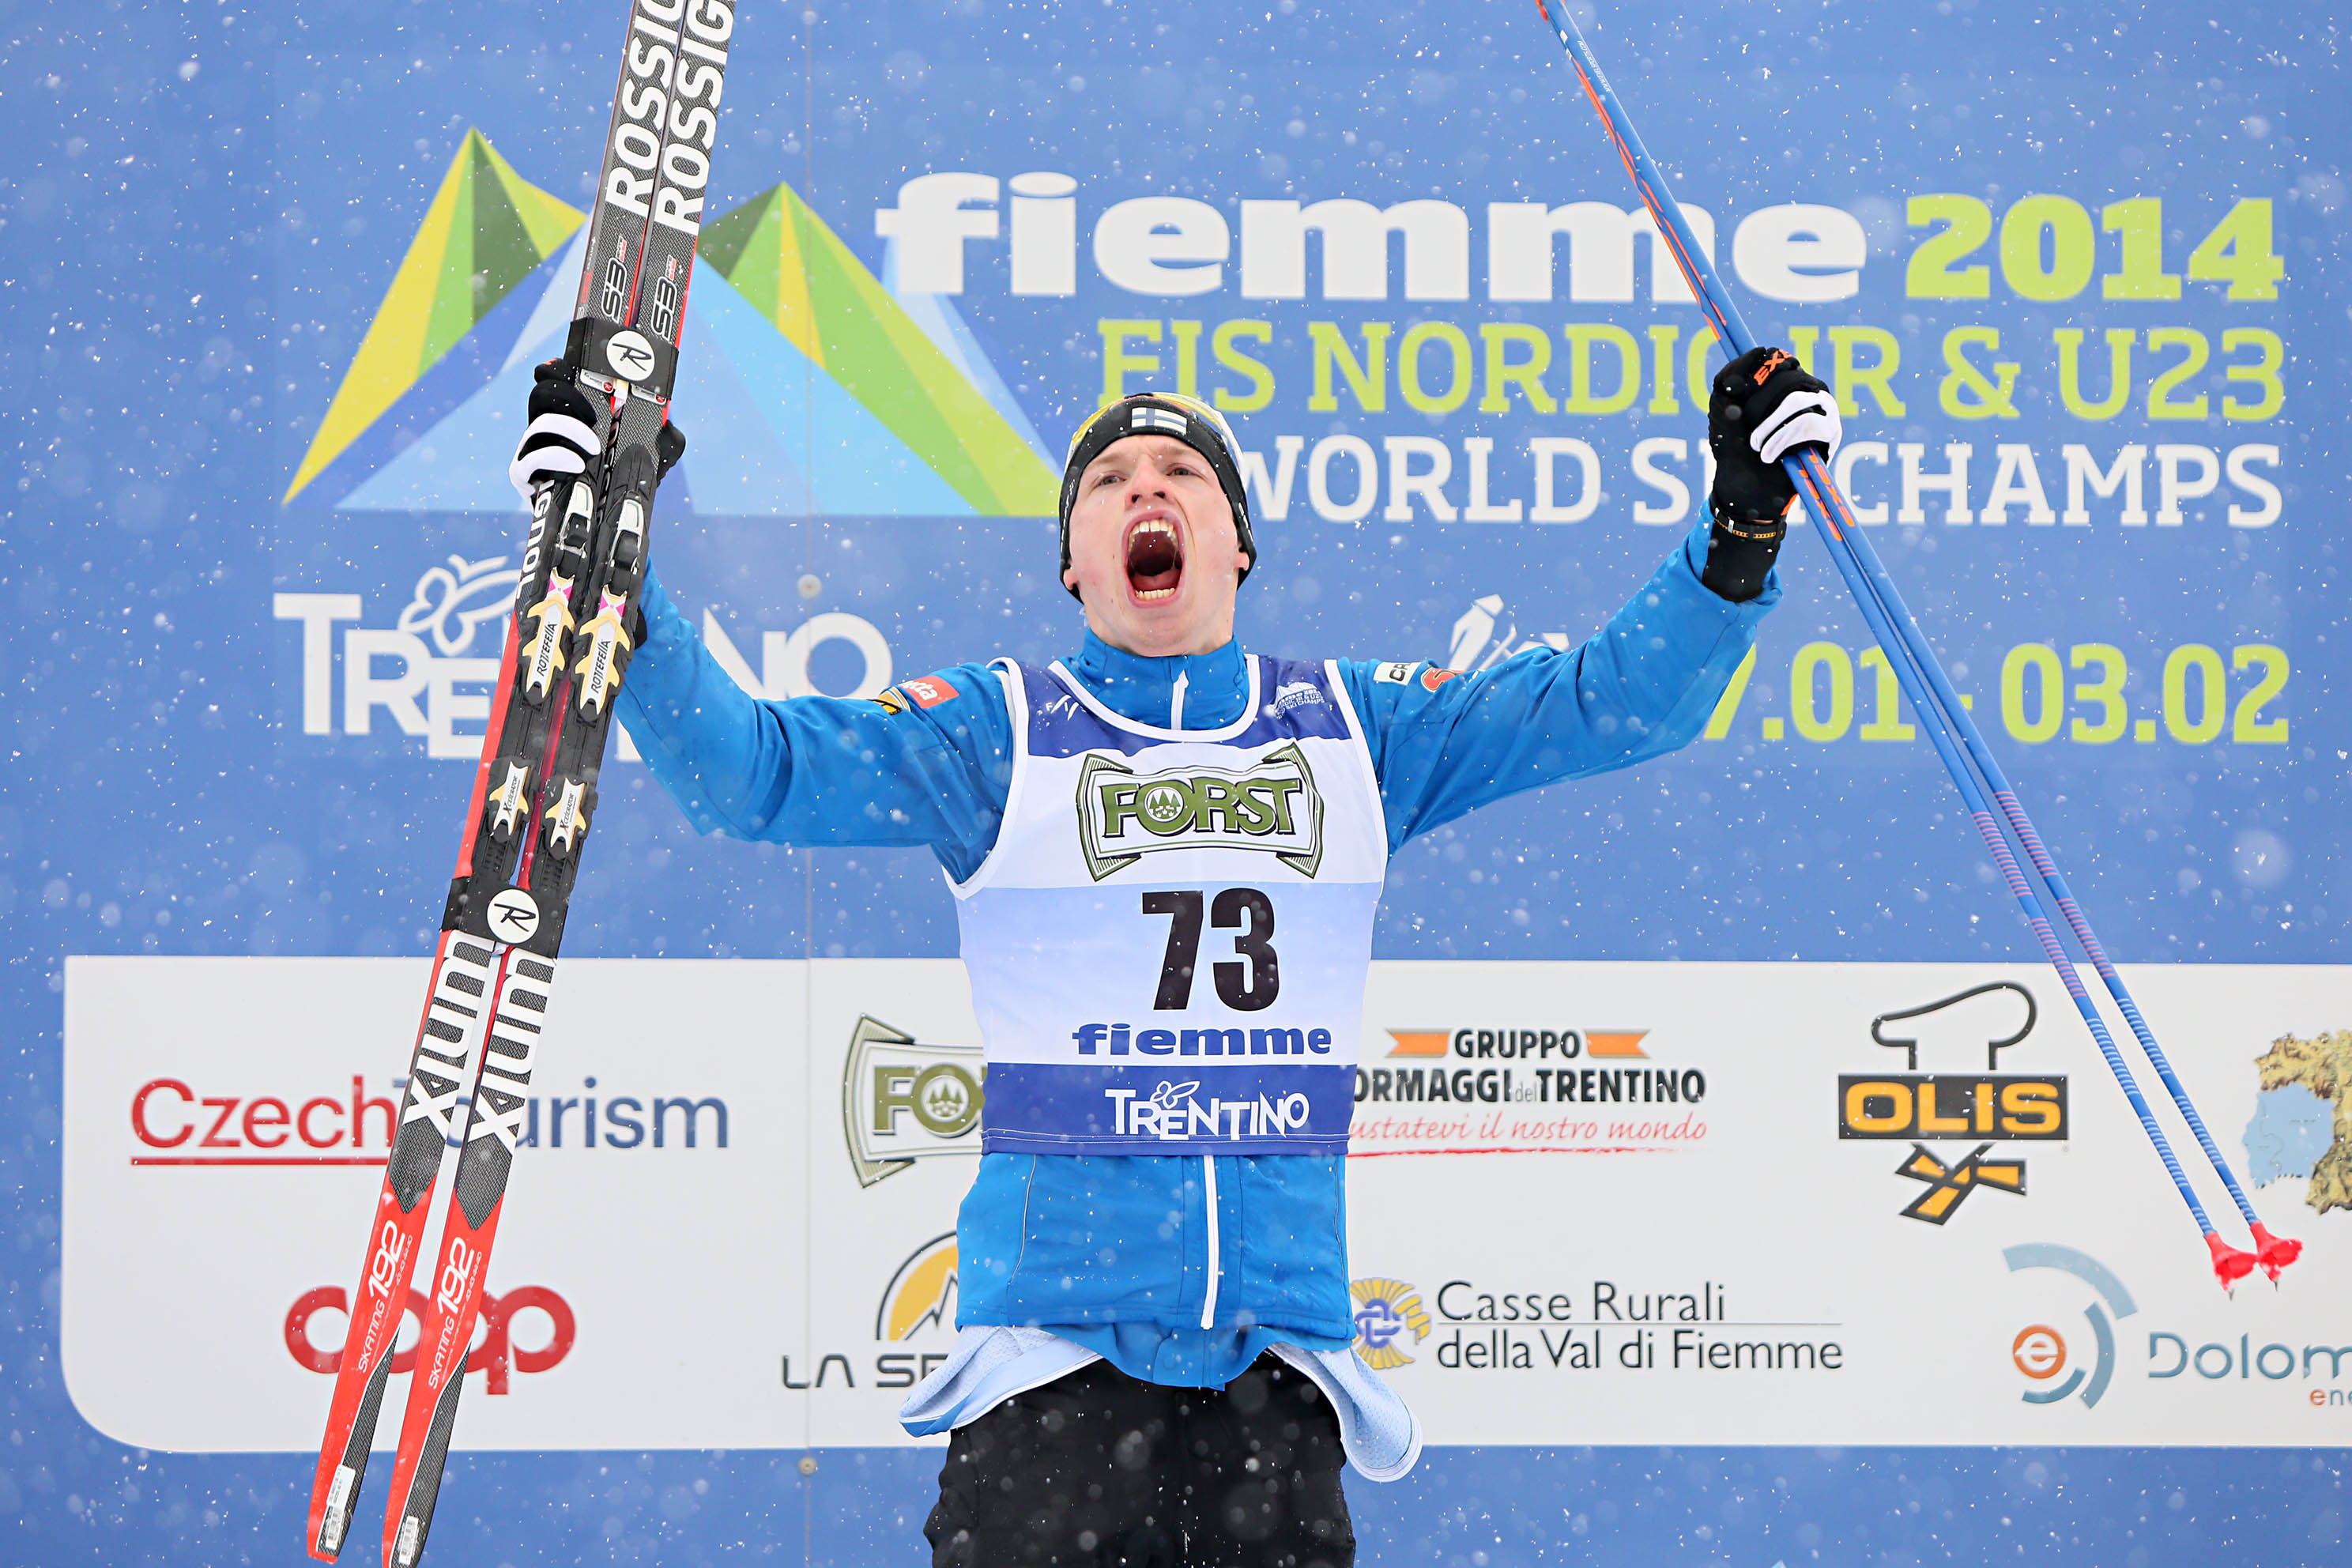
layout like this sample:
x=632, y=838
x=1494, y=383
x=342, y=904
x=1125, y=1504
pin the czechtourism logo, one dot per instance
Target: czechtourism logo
x=1386, y=1311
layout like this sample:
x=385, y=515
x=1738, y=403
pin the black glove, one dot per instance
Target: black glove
x=561, y=439
x=1764, y=407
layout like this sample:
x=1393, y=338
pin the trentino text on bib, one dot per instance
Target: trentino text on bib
x=1168, y=943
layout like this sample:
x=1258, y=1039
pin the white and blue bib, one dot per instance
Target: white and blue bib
x=1168, y=941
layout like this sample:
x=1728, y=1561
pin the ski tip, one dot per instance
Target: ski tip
x=2275, y=1252
x=330, y=1516
x=2230, y=1264
x=400, y=1548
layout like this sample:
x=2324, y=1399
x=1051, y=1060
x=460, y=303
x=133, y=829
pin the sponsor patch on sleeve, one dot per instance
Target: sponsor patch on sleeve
x=1397, y=672
x=928, y=691
x=1433, y=677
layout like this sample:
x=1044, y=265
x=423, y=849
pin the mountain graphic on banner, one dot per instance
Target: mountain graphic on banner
x=808, y=389
x=487, y=231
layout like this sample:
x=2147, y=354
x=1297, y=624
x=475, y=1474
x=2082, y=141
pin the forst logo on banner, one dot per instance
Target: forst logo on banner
x=1273, y=805
x=1989, y=1106
x=902, y=1100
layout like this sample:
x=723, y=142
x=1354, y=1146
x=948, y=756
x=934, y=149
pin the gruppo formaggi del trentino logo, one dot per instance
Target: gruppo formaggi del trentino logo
x=1520, y=1089
x=827, y=391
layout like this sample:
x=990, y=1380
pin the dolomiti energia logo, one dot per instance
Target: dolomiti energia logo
x=1272, y=804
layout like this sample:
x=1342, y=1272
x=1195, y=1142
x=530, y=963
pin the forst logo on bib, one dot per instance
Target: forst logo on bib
x=1272, y=806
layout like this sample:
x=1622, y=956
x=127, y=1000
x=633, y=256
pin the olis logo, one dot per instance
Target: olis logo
x=1272, y=804
x=1987, y=1106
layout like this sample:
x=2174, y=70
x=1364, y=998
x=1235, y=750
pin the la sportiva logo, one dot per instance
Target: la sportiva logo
x=1989, y=1107
x=921, y=1294
x=919, y=1303
x=1386, y=1311
x=1271, y=805
x=497, y=1353
x=902, y=1100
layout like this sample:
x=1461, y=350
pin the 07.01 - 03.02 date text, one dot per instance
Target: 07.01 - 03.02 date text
x=2085, y=694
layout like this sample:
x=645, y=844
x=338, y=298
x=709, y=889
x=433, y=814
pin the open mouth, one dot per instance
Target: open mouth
x=1155, y=559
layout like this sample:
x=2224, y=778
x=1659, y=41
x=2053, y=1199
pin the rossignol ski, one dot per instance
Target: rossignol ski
x=568, y=645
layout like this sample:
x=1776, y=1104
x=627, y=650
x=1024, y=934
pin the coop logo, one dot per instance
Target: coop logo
x=1988, y=1107
x=2054, y=1368
x=1272, y=806
x=1386, y=1311
x=497, y=1353
x=902, y=1100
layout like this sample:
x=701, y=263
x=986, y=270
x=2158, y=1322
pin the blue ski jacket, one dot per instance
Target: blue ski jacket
x=1113, y=1252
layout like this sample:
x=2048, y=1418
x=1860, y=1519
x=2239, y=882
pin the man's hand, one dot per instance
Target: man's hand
x=561, y=439
x=1764, y=408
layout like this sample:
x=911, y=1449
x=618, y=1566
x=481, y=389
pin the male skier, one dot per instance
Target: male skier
x=1166, y=856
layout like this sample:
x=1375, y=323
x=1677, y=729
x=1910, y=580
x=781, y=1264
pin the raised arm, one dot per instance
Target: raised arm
x=927, y=765
x=1647, y=682
x=1640, y=686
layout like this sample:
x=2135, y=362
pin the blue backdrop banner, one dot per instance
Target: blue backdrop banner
x=277, y=283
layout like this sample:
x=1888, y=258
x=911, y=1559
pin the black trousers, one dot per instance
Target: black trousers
x=1098, y=1469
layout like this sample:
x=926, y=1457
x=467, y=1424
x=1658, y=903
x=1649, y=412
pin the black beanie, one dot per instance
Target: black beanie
x=1188, y=420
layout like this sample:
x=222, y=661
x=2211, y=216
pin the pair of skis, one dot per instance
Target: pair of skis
x=1944, y=716
x=567, y=646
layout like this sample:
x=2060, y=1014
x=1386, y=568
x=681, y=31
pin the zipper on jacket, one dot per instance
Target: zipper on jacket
x=1176, y=701
x=1209, y=1301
